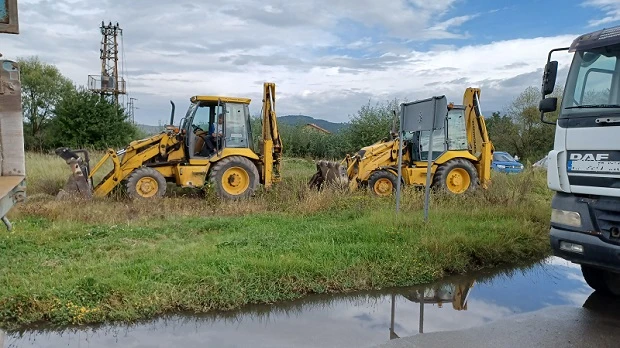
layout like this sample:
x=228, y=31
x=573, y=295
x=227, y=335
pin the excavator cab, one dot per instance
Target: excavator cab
x=453, y=137
x=215, y=123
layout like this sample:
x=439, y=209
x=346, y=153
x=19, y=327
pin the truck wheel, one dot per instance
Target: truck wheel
x=457, y=176
x=601, y=280
x=234, y=177
x=382, y=183
x=145, y=183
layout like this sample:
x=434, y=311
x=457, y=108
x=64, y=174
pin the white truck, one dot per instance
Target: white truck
x=584, y=166
x=12, y=156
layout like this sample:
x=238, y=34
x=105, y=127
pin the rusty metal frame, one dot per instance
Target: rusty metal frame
x=10, y=24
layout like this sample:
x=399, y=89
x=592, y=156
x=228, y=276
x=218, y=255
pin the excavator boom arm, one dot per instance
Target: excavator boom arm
x=271, y=144
x=480, y=144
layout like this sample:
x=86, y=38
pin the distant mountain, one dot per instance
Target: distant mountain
x=296, y=120
x=291, y=120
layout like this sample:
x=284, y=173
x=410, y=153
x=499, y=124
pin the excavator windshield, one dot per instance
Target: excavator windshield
x=452, y=137
x=217, y=125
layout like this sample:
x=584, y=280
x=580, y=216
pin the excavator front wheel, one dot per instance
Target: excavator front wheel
x=234, y=177
x=145, y=183
x=382, y=183
x=458, y=180
x=235, y=180
x=456, y=176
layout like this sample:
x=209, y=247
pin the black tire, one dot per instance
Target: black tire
x=603, y=281
x=378, y=180
x=238, y=165
x=441, y=177
x=145, y=183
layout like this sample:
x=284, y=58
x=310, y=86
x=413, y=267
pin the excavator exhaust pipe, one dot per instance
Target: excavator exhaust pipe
x=78, y=183
x=331, y=174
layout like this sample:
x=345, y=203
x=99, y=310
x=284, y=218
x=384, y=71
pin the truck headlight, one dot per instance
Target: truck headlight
x=572, y=247
x=522, y=166
x=501, y=166
x=564, y=217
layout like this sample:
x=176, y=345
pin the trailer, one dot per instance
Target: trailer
x=12, y=154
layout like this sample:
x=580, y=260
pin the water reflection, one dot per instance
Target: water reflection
x=455, y=292
x=351, y=320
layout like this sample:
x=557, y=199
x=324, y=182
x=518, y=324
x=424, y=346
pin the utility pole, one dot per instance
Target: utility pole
x=109, y=83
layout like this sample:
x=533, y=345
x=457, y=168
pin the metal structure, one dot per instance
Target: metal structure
x=419, y=116
x=132, y=109
x=109, y=82
x=9, y=23
x=12, y=155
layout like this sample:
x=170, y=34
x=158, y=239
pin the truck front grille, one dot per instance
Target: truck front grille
x=606, y=212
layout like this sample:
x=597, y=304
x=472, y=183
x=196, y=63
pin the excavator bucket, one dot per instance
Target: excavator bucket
x=329, y=173
x=78, y=183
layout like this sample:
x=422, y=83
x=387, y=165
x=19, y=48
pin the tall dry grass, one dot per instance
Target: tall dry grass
x=47, y=174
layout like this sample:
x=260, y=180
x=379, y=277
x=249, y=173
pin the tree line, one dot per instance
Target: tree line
x=517, y=131
x=58, y=113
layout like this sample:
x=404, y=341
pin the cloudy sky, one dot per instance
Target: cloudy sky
x=327, y=57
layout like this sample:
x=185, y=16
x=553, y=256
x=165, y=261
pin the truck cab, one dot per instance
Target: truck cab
x=584, y=166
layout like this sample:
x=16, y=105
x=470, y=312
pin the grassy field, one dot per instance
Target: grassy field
x=74, y=262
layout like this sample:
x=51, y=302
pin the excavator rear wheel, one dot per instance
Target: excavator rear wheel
x=145, y=183
x=456, y=176
x=382, y=183
x=234, y=177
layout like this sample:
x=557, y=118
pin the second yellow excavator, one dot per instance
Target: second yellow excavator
x=461, y=156
x=189, y=156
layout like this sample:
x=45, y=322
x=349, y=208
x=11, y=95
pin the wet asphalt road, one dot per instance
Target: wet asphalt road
x=595, y=325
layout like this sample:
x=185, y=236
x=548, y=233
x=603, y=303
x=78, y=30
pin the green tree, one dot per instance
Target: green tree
x=503, y=132
x=85, y=119
x=534, y=139
x=371, y=124
x=43, y=87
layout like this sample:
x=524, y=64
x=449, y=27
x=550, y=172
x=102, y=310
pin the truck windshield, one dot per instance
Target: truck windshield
x=593, y=83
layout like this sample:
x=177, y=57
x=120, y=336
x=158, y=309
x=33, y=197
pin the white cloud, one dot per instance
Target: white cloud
x=611, y=9
x=323, y=55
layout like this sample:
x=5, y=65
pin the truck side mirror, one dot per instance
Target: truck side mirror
x=551, y=72
x=548, y=105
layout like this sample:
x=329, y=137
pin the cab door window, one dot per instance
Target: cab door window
x=235, y=125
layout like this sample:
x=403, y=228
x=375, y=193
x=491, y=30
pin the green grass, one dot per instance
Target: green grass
x=73, y=262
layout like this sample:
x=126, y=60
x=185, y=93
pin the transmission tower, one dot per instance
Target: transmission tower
x=109, y=82
x=132, y=109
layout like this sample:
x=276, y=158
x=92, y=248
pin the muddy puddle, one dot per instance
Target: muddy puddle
x=352, y=320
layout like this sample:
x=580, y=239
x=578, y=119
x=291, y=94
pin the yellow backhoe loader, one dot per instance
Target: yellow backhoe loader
x=461, y=162
x=189, y=156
